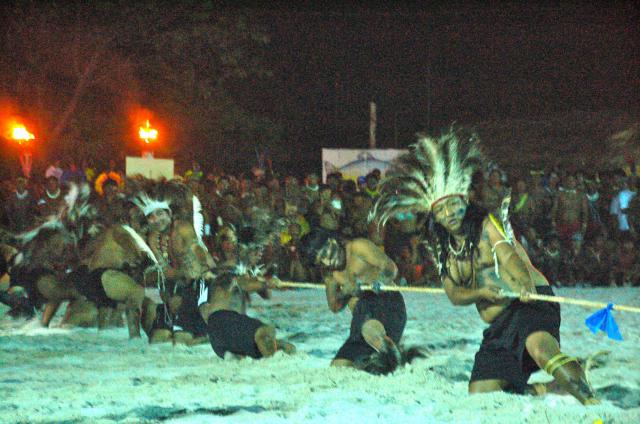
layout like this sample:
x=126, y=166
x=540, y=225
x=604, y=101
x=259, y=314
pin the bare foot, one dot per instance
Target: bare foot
x=286, y=347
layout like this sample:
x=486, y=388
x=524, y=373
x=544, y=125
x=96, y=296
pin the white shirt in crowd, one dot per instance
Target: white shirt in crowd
x=619, y=204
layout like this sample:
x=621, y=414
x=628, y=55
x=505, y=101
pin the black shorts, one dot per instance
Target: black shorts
x=89, y=284
x=27, y=278
x=503, y=354
x=232, y=332
x=187, y=317
x=386, y=307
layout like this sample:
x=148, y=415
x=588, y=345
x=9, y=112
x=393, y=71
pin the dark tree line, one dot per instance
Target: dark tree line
x=80, y=75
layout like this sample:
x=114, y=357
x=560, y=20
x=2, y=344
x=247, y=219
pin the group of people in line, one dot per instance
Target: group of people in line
x=180, y=258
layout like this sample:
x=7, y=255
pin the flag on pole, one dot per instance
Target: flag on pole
x=603, y=320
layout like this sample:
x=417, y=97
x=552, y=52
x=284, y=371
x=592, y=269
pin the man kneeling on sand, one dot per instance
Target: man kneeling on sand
x=228, y=326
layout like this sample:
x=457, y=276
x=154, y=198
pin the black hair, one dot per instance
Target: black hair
x=349, y=187
x=110, y=181
x=323, y=187
x=471, y=227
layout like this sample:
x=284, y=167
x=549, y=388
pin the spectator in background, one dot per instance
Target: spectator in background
x=111, y=206
x=477, y=186
x=371, y=188
x=626, y=268
x=334, y=180
x=20, y=207
x=358, y=215
x=570, y=213
x=52, y=200
x=292, y=260
x=293, y=192
x=325, y=218
x=595, y=204
x=550, y=186
x=633, y=211
x=54, y=170
x=493, y=192
x=72, y=174
x=524, y=208
x=618, y=209
x=596, y=260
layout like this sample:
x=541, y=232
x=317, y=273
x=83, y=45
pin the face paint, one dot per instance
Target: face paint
x=450, y=213
x=159, y=220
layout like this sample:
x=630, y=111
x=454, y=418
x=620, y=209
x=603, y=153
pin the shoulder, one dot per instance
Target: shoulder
x=492, y=229
x=360, y=244
x=183, y=227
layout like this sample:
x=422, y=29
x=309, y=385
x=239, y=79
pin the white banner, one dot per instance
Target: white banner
x=354, y=163
x=150, y=168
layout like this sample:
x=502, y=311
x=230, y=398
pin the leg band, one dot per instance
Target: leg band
x=558, y=361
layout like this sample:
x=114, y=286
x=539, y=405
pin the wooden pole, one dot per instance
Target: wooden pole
x=580, y=302
x=433, y=290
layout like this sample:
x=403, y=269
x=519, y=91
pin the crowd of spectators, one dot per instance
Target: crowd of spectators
x=578, y=228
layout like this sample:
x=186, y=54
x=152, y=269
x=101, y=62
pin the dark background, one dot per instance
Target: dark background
x=502, y=69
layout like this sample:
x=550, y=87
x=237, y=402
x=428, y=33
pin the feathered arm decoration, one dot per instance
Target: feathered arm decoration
x=198, y=220
x=142, y=245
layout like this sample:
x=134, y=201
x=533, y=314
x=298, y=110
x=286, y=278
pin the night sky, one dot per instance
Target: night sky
x=427, y=67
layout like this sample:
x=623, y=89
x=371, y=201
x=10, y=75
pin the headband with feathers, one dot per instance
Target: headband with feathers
x=433, y=170
x=147, y=204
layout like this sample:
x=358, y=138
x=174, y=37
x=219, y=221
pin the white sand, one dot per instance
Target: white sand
x=82, y=375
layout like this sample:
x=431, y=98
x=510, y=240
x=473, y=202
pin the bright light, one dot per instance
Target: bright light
x=20, y=134
x=147, y=133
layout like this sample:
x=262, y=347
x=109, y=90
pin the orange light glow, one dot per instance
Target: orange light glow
x=147, y=133
x=20, y=134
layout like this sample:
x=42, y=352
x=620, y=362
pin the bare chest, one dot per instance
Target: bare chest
x=476, y=272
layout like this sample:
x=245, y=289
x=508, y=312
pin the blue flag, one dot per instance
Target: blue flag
x=603, y=320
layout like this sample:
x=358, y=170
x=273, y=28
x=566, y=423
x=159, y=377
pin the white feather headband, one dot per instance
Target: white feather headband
x=147, y=205
x=433, y=170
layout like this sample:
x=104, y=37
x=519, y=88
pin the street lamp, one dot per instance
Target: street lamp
x=148, y=135
x=23, y=137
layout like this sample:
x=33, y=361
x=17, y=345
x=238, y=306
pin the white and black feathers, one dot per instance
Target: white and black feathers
x=148, y=204
x=75, y=209
x=435, y=168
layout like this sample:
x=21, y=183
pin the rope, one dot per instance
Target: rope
x=432, y=290
x=572, y=301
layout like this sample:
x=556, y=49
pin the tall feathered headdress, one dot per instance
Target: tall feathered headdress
x=433, y=170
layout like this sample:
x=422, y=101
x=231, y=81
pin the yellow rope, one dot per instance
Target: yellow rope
x=432, y=290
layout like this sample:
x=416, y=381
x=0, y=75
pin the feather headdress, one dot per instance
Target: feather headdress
x=147, y=204
x=433, y=170
x=103, y=178
x=69, y=217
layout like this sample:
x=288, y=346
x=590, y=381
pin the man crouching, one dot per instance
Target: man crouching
x=378, y=318
x=228, y=326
